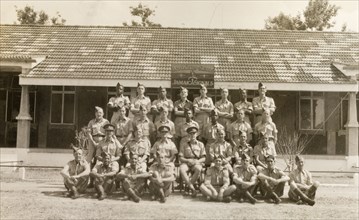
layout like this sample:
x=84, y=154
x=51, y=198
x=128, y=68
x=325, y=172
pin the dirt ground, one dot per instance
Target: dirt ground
x=43, y=198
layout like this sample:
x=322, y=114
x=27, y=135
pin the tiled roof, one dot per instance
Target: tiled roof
x=147, y=53
x=10, y=57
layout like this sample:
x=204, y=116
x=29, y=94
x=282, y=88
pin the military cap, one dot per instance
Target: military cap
x=270, y=157
x=119, y=85
x=160, y=88
x=187, y=110
x=105, y=154
x=162, y=108
x=98, y=109
x=142, y=107
x=261, y=85
x=242, y=89
x=109, y=127
x=192, y=129
x=183, y=89
x=298, y=158
x=202, y=86
x=245, y=156
x=140, y=84
x=223, y=89
x=214, y=112
x=164, y=128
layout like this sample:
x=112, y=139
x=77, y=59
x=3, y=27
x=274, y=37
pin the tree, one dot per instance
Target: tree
x=29, y=16
x=317, y=16
x=144, y=13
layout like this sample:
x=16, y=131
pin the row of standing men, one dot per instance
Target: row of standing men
x=201, y=140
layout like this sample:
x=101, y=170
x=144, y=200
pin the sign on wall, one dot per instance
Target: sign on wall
x=192, y=75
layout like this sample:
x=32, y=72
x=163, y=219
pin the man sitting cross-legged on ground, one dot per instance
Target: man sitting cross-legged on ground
x=76, y=174
x=134, y=178
x=272, y=180
x=192, y=155
x=302, y=188
x=215, y=186
x=104, y=175
x=161, y=178
x=245, y=178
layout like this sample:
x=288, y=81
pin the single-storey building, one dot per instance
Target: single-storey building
x=51, y=77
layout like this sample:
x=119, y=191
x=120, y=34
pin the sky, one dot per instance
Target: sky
x=234, y=14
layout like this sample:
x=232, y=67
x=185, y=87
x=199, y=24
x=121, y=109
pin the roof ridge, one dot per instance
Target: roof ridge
x=178, y=28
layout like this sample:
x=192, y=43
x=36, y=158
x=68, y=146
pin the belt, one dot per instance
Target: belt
x=121, y=136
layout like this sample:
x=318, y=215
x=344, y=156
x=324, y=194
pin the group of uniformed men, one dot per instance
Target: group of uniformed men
x=204, y=137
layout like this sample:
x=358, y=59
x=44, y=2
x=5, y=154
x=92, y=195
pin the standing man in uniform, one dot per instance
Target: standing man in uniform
x=134, y=177
x=140, y=146
x=76, y=174
x=162, y=119
x=203, y=105
x=165, y=146
x=266, y=126
x=161, y=102
x=109, y=144
x=210, y=133
x=239, y=126
x=145, y=124
x=261, y=103
x=118, y=101
x=225, y=109
x=221, y=148
x=192, y=155
x=245, y=178
x=302, y=188
x=124, y=126
x=104, y=174
x=161, y=178
x=140, y=100
x=216, y=183
x=179, y=110
x=96, y=133
x=244, y=105
x=242, y=148
x=272, y=180
x=183, y=135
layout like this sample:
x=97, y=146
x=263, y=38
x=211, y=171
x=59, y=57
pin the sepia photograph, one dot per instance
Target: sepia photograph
x=182, y=109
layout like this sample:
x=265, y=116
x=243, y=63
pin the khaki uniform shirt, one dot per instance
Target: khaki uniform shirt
x=144, y=101
x=101, y=169
x=77, y=168
x=264, y=152
x=248, y=174
x=243, y=149
x=139, y=169
x=112, y=146
x=244, y=105
x=268, y=128
x=265, y=103
x=158, y=103
x=123, y=127
x=185, y=126
x=303, y=177
x=147, y=126
x=180, y=106
x=165, y=171
x=276, y=173
x=120, y=101
x=140, y=147
x=220, y=149
x=96, y=126
x=167, y=147
x=195, y=150
x=237, y=127
x=225, y=107
x=217, y=178
x=210, y=131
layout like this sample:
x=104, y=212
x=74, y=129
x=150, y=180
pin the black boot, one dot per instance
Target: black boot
x=250, y=197
x=75, y=194
x=133, y=195
x=303, y=197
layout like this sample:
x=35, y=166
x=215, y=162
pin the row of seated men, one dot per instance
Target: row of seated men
x=192, y=156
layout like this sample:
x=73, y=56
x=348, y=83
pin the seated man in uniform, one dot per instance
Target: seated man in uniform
x=216, y=182
x=165, y=145
x=302, y=188
x=221, y=148
x=161, y=178
x=188, y=123
x=76, y=174
x=245, y=178
x=109, y=144
x=261, y=151
x=242, y=148
x=192, y=156
x=140, y=146
x=134, y=178
x=272, y=180
x=104, y=175
x=162, y=119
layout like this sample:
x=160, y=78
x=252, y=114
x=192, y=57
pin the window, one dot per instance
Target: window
x=62, y=105
x=311, y=111
x=344, y=110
